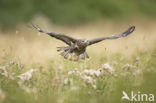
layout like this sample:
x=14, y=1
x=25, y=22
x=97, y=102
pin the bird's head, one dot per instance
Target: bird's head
x=85, y=42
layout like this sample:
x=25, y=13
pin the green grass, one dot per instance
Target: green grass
x=47, y=84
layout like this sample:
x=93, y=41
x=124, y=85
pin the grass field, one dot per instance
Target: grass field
x=31, y=70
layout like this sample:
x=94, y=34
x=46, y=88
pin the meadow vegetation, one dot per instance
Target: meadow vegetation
x=31, y=71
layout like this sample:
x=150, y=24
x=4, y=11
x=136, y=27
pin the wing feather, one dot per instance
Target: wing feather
x=124, y=34
x=67, y=39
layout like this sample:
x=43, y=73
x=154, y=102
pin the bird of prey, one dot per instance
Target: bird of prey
x=76, y=48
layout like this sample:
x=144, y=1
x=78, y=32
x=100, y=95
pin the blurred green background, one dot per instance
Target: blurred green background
x=69, y=12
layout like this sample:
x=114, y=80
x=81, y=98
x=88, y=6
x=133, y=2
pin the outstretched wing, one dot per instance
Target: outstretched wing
x=67, y=39
x=124, y=34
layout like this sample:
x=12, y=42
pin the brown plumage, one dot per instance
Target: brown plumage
x=77, y=47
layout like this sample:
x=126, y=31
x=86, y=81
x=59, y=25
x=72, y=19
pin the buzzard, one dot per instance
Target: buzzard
x=76, y=48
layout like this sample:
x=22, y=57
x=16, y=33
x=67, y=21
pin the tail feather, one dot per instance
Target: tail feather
x=65, y=52
x=66, y=56
x=62, y=49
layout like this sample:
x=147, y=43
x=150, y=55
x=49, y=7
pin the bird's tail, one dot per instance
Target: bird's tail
x=65, y=52
x=60, y=49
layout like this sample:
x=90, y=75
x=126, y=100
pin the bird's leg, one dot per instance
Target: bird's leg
x=85, y=63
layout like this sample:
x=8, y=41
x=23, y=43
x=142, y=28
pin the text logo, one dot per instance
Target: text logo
x=137, y=96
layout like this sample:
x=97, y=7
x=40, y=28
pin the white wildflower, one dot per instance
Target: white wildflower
x=108, y=68
x=71, y=72
x=3, y=71
x=92, y=72
x=27, y=75
x=98, y=73
x=88, y=79
x=126, y=66
x=74, y=72
x=20, y=65
x=94, y=86
x=11, y=62
x=129, y=66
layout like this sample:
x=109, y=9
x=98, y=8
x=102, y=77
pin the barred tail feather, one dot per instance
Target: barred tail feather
x=63, y=54
x=62, y=49
x=66, y=56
